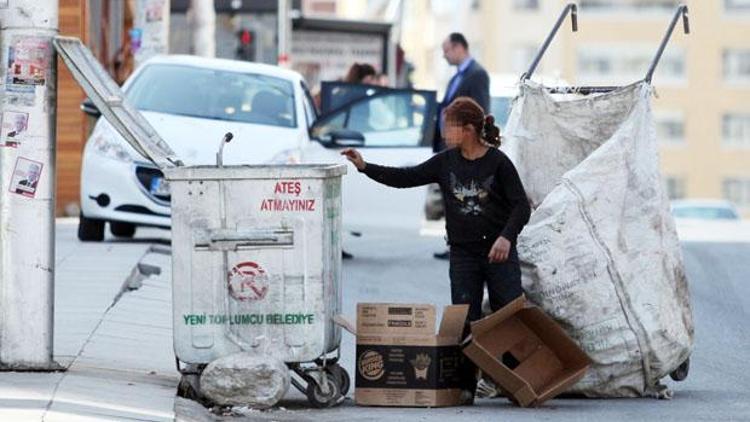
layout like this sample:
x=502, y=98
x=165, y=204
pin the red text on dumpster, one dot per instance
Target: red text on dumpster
x=287, y=205
x=288, y=188
x=292, y=188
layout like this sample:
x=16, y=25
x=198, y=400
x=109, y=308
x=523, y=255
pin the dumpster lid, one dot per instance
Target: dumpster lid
x=262, y=171
x=111, y=101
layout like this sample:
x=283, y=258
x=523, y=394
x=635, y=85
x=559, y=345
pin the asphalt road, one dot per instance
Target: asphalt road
x=398, y=267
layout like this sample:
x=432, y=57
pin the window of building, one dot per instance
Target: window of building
x=737, y=190
x=621, y=64
x=736, y=65
x=675, y=187
x=629, y=6
x=737, y=5
x=526, y=4
x=670, y=127
x=735, y=130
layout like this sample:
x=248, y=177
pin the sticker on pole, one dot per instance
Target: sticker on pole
x=26, y=177
x=248, y=281
x=13, y=127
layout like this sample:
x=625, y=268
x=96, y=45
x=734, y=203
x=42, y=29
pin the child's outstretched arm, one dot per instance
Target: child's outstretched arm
x=397, y=177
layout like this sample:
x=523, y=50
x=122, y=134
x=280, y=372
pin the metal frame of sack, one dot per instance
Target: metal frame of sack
x=681, y=372
x=572, y=9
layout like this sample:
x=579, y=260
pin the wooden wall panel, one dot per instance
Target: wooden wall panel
x=72, y=124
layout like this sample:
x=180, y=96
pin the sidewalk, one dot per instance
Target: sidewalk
x=115, y=342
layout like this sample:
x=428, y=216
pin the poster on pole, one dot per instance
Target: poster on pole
x=26, y=177
x=13, y=128
x=150, y=34
x=28, y=61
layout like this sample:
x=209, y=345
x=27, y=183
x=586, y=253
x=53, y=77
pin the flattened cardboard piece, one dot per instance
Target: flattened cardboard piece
x=392, y=318
x=344, y=323
x=482, y=325
x=453, y=322
x=406, y=340
x=526, y=353
x=407, y=398
x=565, y=347
x=501, y=374
x=408, y=367
x=401, y=361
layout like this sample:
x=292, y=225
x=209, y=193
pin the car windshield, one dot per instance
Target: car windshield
x=705, y=213
x=214, y=94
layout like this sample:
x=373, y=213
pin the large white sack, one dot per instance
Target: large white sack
x=600, y=253
x=245, y=379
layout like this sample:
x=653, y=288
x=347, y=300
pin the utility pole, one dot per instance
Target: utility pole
x=150, y=34
x=395, y=14
x=27, y=183
x=202, y=18
x=284, y=32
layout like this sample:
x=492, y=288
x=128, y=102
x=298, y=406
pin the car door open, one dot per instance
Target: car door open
x=393, y=127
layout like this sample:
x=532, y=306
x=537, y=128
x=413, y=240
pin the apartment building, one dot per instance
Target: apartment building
x=702, y=107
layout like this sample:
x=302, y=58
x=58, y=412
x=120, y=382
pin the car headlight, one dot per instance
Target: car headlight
x=289, y=156
x=106, y=147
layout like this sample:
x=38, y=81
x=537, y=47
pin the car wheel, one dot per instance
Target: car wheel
x=90, y=229
x=120, y=229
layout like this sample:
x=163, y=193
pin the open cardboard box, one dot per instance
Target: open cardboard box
x=526, y=353
x=401, y=361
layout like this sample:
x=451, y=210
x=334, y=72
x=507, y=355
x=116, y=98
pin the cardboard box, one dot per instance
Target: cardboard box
x=526, y=353
x=400, y=359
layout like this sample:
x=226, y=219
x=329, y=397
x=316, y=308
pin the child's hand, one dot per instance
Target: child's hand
x=355, y=157
x=500, y=250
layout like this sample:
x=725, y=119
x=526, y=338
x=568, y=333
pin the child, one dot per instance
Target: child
x=485, y=206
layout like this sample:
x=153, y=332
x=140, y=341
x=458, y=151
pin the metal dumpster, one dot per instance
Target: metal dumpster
x=256, y=265
x=256, y=251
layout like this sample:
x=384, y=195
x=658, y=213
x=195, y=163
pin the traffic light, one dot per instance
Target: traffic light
x=246, y=45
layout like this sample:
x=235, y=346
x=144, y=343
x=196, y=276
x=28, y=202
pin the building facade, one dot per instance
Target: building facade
x=702, y=106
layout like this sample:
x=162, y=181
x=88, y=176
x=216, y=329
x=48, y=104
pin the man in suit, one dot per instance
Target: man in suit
x=470, y=80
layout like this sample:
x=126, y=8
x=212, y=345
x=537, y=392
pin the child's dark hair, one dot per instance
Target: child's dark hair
x=465, y=111
x=358, y=72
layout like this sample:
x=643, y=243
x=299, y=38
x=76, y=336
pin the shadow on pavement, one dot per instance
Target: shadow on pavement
x=158, y=240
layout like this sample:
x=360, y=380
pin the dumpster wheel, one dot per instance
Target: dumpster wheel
x=188, y=388
x=318, y=398
x=681, y=372
x=341, y=377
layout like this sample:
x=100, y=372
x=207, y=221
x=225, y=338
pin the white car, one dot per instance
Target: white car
x=704, y=209
x=192, y=102
x=709, y=220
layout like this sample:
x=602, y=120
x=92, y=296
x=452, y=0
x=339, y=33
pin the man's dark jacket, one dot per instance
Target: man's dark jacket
x=475, y=83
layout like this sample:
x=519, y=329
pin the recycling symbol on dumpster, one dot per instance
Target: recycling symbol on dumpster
x=248, y=281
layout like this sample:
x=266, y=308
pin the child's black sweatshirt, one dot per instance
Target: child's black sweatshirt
x=484, y=198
